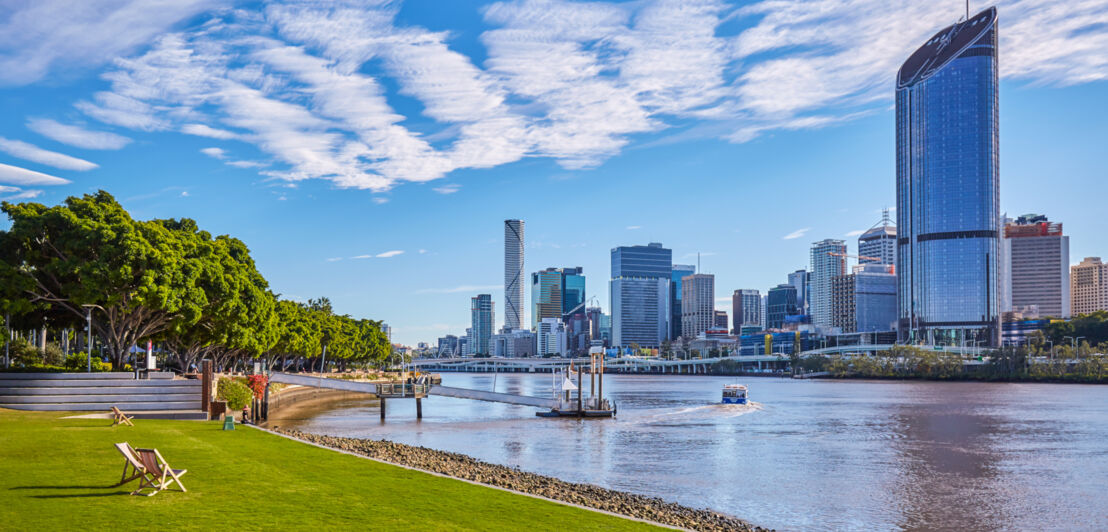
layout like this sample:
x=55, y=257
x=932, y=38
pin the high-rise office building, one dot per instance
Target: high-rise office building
x=802, y=281
x=746, y=310
x=721, y=320
x=878, y=244
x=680, y=271
x=547, y=290
x=640, y=295
x=864, y=300
x=481, y=318
x=513, y=274
x=698, y=302
x=948, y=183
x=557, y=293
x=780, y=303
x=1089, y=286
x=828, y=262
x=1036, y=267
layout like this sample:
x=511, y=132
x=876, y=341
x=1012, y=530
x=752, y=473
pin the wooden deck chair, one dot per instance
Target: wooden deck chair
x=132, y=464
x=121, y=418
x=157, y=473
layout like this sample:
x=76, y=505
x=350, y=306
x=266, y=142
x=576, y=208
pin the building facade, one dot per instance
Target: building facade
x=948, y=219
x=1089, y=286
x=780, y=303
x=802, y=281
x=697, y=304
x=481, y=319
x=1036, y=262
x=721, y=320
x=551, y=337
x=513, y=274
x=865, y=301
x=828, y=262
x=557, y=293
x=640, y=295
x=746, y=309
x=680, y=271
x=878, y=244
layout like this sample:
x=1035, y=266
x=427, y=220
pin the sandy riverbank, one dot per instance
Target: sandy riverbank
x=468, y=468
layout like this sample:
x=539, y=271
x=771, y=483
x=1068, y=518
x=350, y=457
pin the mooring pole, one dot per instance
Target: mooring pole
x=579, y=393
x=382, y=409
x=418, y=408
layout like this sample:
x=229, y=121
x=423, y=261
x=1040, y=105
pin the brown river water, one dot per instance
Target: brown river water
x=805, y=455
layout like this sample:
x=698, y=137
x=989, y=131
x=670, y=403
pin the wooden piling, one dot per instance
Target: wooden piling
x=382, y=409
x=419, y=408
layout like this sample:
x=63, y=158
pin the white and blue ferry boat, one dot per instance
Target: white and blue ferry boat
x=734, y=394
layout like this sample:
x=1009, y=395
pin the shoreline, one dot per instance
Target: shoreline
x=467, y=468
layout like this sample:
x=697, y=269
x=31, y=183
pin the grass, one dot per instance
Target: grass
x=59, y=474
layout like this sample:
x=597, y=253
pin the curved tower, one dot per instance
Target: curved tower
x=513, y=273
x=947, y=187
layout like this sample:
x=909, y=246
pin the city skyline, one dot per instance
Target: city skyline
x=413, y=254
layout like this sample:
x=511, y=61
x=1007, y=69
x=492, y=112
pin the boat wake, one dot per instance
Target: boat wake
x=708, y=411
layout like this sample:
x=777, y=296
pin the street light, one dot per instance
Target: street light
x=88, y=316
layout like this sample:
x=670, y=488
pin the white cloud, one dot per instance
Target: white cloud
x=218, y=153
x=30, y=152
x=247, y=164
x=855, y=232
x=44, y=35
x=388, y=254
x=460, y=289
x=380, y=200
x=184, y=193
x=201, y=130
x=634, y=227
x=77, y=136
x=16, y=193
x=334, y=259
x=304, y=82
x=796, y=234
x=21, y=176
x=422, y=251
x=362, y=257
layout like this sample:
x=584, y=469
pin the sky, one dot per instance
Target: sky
x=369, y=151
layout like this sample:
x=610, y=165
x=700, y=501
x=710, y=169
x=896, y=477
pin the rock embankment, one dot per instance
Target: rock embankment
x=468, y=468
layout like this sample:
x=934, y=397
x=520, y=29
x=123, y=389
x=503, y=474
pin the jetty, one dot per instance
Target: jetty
x=417, y=390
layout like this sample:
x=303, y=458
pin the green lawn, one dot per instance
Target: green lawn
x=58, y=474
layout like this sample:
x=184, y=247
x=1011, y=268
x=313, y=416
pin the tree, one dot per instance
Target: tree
x=89, y=251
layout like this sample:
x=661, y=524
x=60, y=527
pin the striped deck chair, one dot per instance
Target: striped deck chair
x=157, y=473
x=132, y=463
x=121, y=418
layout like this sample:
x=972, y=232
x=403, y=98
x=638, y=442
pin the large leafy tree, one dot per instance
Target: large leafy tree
x=89, y=251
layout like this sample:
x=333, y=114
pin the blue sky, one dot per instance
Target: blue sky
x=369, y=151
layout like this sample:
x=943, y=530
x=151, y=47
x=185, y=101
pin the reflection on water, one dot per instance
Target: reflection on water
x=803, y=455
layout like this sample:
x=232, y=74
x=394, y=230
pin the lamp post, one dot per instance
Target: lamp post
x=1077, y=341
x=88, y=317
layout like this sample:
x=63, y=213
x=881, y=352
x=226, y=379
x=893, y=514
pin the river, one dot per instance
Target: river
x=806, y=455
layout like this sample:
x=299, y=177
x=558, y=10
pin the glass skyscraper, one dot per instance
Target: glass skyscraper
x=679, y=271
x=513, y=274
x=948, y=218
x=481, y=319
x=640, y=295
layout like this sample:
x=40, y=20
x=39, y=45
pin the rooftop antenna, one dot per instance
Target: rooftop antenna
x=697, y=262
x=967, y=10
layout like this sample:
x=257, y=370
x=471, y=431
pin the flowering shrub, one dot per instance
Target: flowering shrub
x=257, y=385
